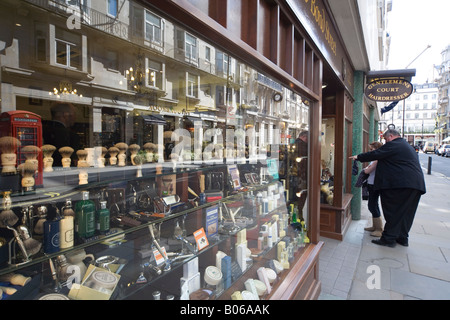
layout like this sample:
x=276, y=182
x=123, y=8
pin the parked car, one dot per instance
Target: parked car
x=428, y=147
x=444, y=150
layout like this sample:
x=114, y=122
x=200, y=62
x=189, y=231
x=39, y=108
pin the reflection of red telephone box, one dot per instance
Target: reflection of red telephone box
x=27, y=127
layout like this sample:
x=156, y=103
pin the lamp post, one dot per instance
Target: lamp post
x=403, y=124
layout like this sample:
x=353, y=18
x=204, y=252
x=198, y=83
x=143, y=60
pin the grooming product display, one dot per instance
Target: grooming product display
x=66, y=153
x=7, y=216
x=85, y=216
x=8, y=148
x=113, y=152
x=82, y=159
x=31, y=154
x=27, y=170
x=47, y=152
x=134, y=149
x=73, y=226
x=122, y=156
x=52, y=230
x=101, y=161
x=102, y=218
x=149, y=151
x=67, y=226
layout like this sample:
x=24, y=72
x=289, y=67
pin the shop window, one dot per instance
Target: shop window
x=166, y=96
x=327, y=160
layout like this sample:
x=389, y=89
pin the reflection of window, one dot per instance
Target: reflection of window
x=111, y=61
x=208, y=54
x=68, y=49
x=222, y=63
x=155, y=74
x=191, y=86
x=112, y=7
x=190, y=47
x=153, y=29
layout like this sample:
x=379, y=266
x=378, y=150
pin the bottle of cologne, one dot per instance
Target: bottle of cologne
x=85, y=216
x=102, y=217
x=52, y=230
x=66, y=225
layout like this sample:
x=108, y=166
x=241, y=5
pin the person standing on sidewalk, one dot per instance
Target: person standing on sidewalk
x=374, y=195
x=401, y=183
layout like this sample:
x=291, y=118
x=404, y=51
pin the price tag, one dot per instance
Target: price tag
x=158, y=256
x=201, y=239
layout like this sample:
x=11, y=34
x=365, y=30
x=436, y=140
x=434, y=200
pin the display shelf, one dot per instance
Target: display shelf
x=130, y=240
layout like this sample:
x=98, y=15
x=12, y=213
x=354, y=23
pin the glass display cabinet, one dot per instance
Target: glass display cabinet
x=187, y=232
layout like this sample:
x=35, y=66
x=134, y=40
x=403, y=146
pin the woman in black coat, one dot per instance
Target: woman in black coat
x=400, y=182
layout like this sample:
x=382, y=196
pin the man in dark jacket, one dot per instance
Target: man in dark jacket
x=401, y=183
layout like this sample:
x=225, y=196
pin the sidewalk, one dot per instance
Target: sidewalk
x=418, y=272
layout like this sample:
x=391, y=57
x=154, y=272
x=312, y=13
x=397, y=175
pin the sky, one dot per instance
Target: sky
x=413, y=25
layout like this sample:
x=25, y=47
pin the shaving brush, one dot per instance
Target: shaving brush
x=32, y=246
x=27, y=170
x=31, y=154
x=7, y=216
x=47, y=151
x=8, y=147
x=82, y=163
x=101, y=158
x=66, y=153
x=82, y=156
x=122, y=146
x=149, y=150
x=15, y=279
x=134, y=149
x=113, y=152
x=139, y=159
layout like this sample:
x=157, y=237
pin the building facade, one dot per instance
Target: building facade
x=443, y=114
x=417, y=121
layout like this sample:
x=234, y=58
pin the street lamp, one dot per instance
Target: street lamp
x=403, y=124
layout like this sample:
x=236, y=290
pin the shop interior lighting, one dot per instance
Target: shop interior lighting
x=65, y=89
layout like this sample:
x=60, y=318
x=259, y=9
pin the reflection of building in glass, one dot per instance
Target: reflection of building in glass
x=123, y=63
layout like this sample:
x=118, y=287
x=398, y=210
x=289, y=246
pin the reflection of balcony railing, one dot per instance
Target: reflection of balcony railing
x=87, y=16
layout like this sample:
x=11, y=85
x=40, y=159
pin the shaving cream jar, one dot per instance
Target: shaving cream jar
x=213, y=275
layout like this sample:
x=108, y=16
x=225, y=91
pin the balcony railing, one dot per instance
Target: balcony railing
x=87, y=16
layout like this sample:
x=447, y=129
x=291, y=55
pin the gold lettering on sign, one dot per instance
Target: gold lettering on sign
x=321, y=21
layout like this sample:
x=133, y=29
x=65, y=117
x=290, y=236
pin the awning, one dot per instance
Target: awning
x=153, y=119
x=446, y=139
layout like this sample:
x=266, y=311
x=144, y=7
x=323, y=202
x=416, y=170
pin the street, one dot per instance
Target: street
x=438, y=164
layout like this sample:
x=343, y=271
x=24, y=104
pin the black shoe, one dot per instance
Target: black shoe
x=382, y=242
x=403, y=242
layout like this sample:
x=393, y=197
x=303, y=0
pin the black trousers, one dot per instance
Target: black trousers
x=372, y=204
x=399, y=208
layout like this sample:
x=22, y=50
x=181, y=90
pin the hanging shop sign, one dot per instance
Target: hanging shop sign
x=386, y=90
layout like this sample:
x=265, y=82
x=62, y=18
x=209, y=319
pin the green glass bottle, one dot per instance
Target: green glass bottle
x=102, y=218
x=85, y=216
